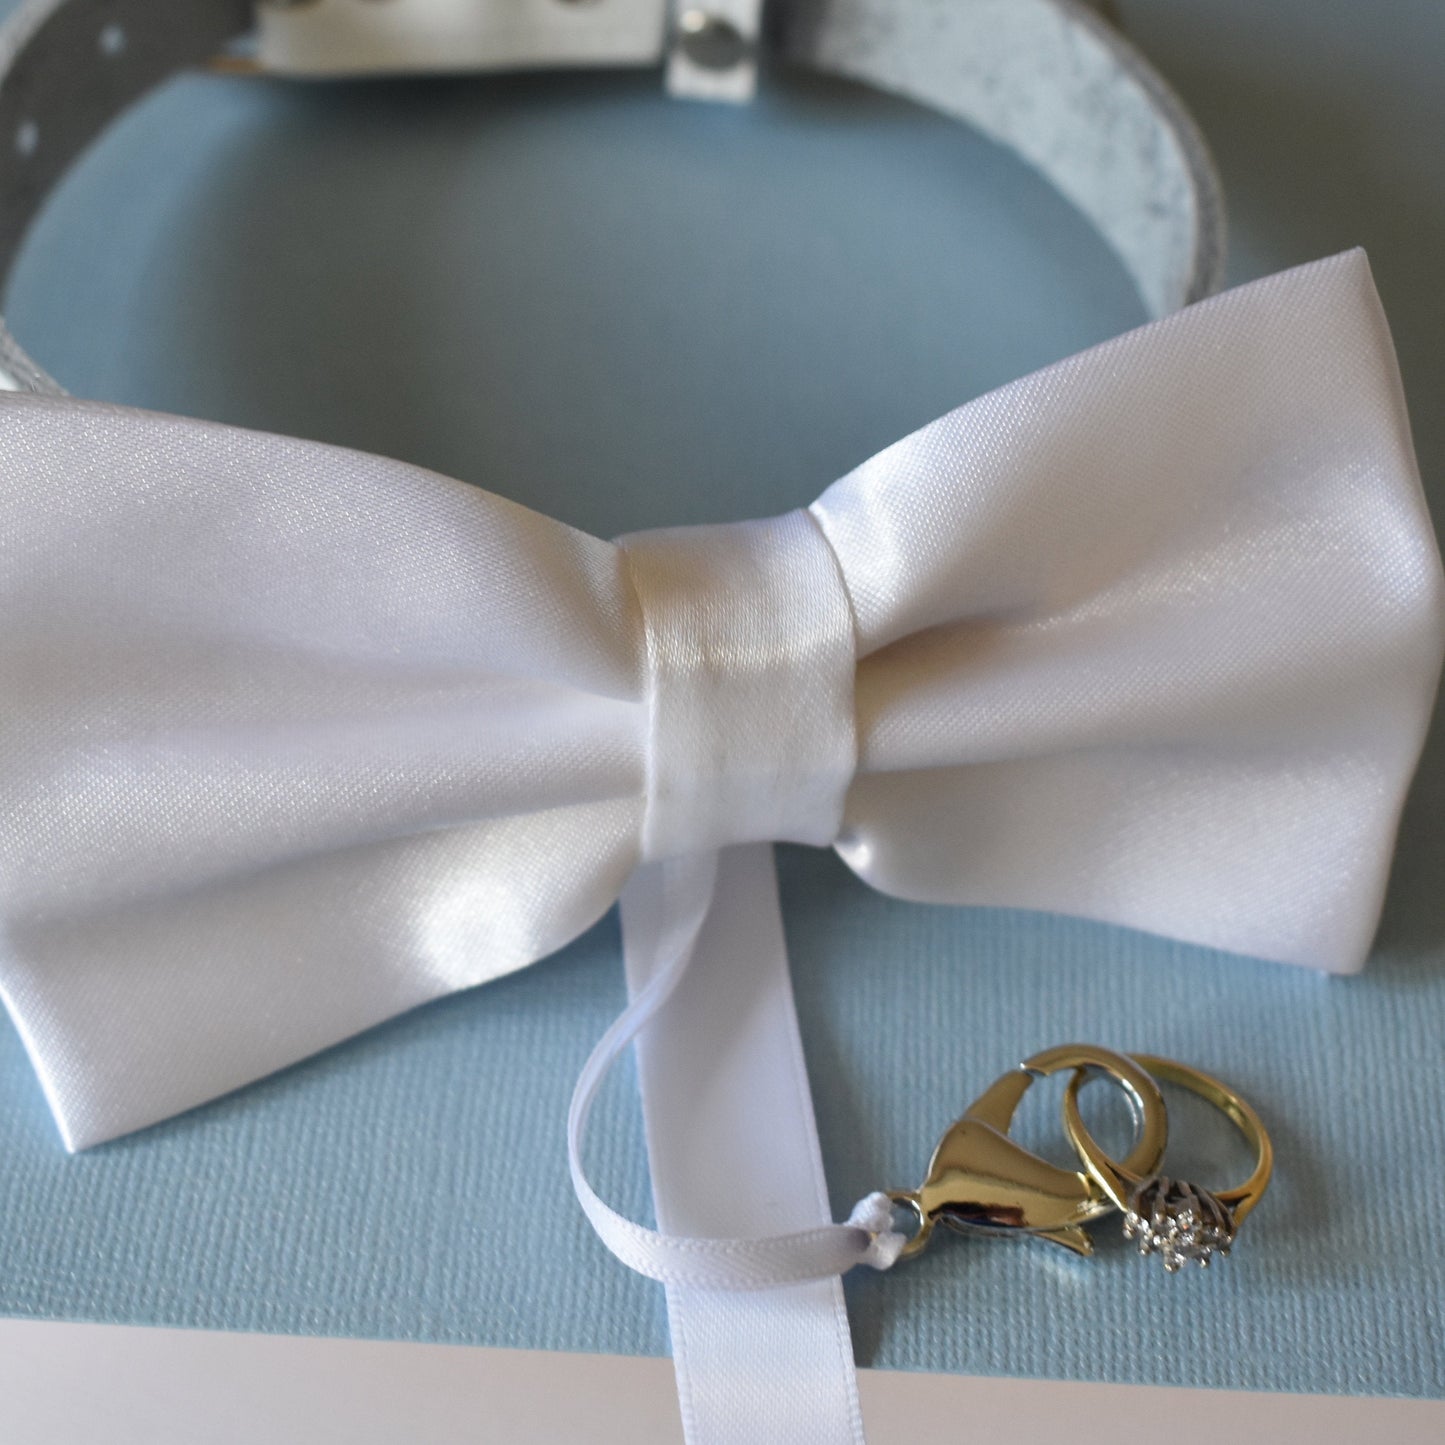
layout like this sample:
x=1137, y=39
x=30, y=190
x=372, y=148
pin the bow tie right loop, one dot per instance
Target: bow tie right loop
x=750, y=663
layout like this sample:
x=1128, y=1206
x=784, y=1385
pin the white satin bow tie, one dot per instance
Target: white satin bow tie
x=295, y=738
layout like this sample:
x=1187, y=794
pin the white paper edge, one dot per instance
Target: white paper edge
x=63, y=1383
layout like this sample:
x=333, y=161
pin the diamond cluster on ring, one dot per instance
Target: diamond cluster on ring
x=1178, y=1220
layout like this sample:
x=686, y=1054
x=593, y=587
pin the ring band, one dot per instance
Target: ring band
x=1171, y=1217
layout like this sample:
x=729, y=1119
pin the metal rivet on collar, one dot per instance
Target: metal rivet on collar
x=711, y=42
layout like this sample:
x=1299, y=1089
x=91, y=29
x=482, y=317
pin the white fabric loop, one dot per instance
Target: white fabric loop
x=730, y=1264
x=750, y=659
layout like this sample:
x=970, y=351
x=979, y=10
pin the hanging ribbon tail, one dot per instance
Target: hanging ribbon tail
x=293, y=739
x=734, y=1156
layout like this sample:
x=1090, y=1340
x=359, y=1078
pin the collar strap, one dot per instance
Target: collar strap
x=1046, y=78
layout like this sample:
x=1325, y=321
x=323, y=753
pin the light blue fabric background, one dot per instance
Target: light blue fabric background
x=631, y=312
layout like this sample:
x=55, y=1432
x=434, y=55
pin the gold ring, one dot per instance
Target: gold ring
x=1171, y=1217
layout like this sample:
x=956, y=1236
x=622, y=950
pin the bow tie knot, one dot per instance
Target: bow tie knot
x=750, y=658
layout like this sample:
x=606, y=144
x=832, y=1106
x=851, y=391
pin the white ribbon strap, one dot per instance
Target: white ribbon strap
x=734, y=1152
x=750, y=662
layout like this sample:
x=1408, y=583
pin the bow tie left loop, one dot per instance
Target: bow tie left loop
x=751, y=656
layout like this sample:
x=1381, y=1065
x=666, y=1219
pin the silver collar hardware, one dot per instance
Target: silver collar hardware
x=709, y=50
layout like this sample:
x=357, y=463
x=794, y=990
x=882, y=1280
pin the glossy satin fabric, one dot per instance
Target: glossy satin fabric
x=293, y=738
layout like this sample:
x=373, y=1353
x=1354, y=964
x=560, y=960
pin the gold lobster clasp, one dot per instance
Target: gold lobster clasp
x=981, y=1181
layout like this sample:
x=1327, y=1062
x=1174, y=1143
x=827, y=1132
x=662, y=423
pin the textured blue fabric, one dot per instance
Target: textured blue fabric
x=633, y=313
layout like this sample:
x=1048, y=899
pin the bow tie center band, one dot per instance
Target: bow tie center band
x=750, y=660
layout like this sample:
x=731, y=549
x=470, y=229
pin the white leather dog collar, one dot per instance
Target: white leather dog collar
x=1047, y=78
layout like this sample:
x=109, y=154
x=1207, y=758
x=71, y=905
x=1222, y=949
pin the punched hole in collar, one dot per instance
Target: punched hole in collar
x=111, y=41
x=27, y=139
